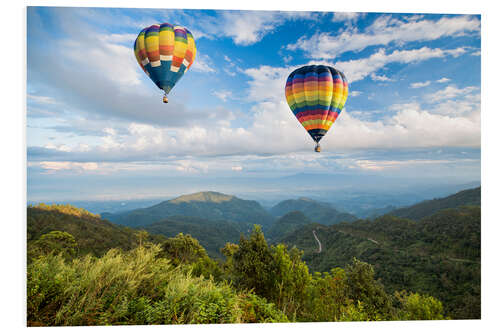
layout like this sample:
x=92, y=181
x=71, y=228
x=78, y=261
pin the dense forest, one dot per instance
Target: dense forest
x=85, y=270
x=439, y=255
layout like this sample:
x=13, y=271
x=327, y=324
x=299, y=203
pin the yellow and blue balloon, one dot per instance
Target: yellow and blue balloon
x=165, y=52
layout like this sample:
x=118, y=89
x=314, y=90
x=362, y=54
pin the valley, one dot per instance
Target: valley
x=432, y=248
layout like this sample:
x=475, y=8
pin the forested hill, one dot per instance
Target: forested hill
x=130, y=277
x=212, y=235
x=316, y=211
x=207, y=205
x=439, y=255
x=470, y=197
x=91, y=233
x=287, y=223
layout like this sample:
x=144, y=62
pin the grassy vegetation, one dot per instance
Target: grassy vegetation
x=134, y=287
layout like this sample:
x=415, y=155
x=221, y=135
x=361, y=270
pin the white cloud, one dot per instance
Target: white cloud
x=42, y=99
x=450, y=92
x=249, y=27
x=117, y=62
x=237, y=168
x=191, y=166
x=354, y=93
x=202, y=63
x=54, y=166
x=61, y=147
x=420, y=84
x=384, y=31
x=358, y=69
x=271, y=128
x=382, y=78
x=127, y=39
x=379, y=165
x=345, y=16
x=223, y=94
x=287, y=59
x=443, y=80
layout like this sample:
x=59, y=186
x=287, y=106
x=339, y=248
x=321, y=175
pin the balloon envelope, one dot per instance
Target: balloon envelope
x=165, y=52
x=316, y=95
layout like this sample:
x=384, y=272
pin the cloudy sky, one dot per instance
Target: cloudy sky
x=97, y=129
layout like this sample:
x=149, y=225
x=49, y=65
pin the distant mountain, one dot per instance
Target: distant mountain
x=212, y=235
x=92, y=234
x=319, y=212
x=288, y=223
x=470, y=197
x=207, y=205
x=371, y=213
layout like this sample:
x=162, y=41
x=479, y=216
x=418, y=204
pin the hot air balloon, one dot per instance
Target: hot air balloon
x=316, y=95
x=165, y=52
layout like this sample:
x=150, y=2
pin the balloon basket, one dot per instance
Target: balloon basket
x=165, y=99
x=317, y=148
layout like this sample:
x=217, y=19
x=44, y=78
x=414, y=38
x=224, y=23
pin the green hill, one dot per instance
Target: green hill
x=316, y=211
x=206, y=205
x=439, y=255
x=470, y=197
x=92, y=234
x=212, y=235
x=287, y=223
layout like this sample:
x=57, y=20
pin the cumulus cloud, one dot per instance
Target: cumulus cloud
x=136, y=127
x=450, y=92
x=345, y=16
x=381, y=78
x=358, y=69
x=222, y=94
x=203, y=64
x=420, y=84
x=53, y=166
x=41, y=99
x=385, y=30
x=380, y=165
x=249, y=27
x=443, y=80
x=109, y=84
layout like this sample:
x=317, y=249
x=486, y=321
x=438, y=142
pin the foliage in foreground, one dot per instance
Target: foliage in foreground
x=135, y=287
x=177, y=283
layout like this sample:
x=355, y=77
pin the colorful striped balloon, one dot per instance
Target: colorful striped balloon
x=165, y=52
x=316, y=95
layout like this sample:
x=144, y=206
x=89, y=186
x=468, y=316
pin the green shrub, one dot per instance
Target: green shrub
x=134, y=287
x=419, y=307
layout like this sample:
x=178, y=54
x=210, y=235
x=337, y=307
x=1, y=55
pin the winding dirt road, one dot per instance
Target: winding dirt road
x=319, y=243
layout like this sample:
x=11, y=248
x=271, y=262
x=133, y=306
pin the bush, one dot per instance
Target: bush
x=419, y=307
x=135, y=287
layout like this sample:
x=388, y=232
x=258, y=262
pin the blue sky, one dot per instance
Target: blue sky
x=96, y=127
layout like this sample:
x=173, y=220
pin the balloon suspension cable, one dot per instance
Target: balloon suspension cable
x=317, y=148
x=165, y=99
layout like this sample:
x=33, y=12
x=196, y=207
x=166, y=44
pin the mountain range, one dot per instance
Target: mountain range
x=432, y=247
x=206, y=205
x=471, y=197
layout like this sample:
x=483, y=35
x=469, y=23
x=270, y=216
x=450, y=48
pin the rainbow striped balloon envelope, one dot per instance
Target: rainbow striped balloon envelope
x=316, y=95
x=165, y=52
